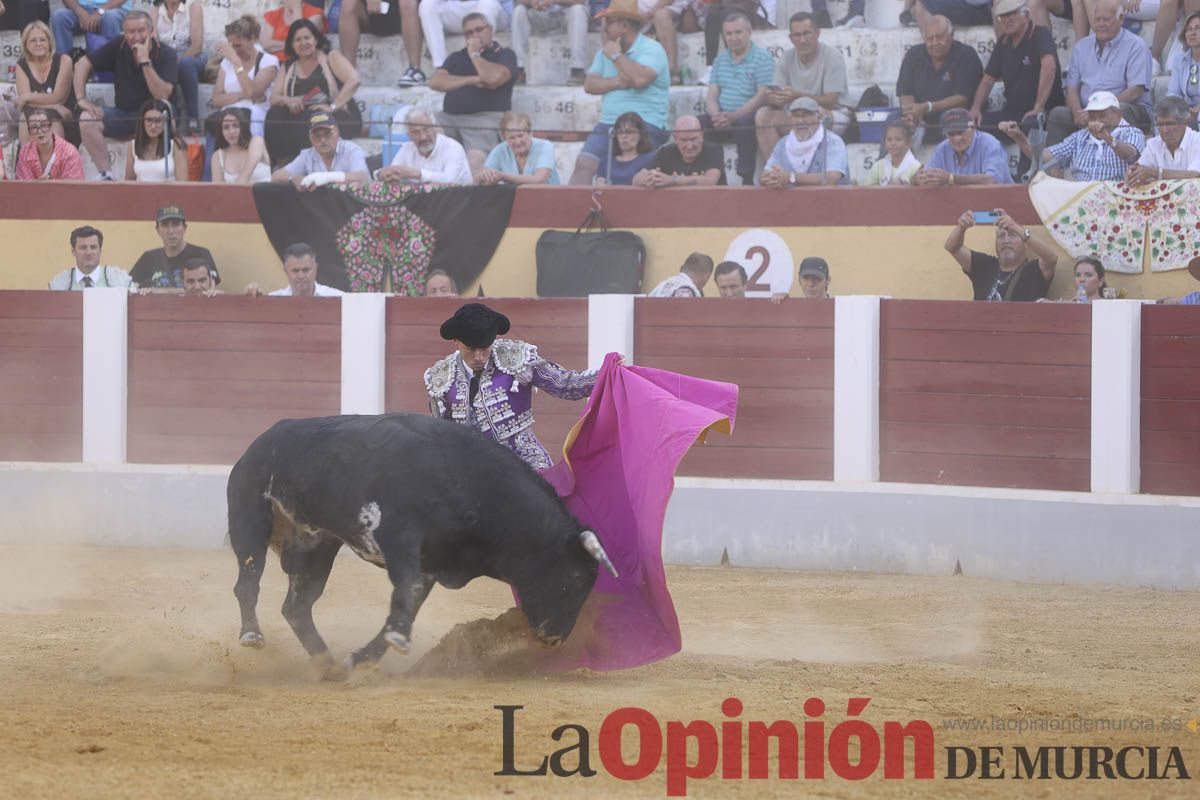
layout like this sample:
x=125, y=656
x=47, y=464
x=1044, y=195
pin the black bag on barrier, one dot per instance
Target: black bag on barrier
x=590, y=262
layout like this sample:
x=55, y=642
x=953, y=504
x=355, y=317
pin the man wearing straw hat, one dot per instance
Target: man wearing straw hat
x=631, y=74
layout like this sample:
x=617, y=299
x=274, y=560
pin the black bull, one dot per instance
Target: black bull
x=431, y=501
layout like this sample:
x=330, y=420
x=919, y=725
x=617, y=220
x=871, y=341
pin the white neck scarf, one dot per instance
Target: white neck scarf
x=800, y=153
x=892, y=174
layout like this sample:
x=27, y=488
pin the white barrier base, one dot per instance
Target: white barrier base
x=1058, y=537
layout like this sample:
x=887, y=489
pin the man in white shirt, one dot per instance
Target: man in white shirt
x=300, y=267
x=689, y=281
x=1175, y=153
x=427, y=156
x=86, y=245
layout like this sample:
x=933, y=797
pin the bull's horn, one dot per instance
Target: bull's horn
x=596, y=551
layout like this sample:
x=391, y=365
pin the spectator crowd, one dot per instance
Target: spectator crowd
x=286, y=107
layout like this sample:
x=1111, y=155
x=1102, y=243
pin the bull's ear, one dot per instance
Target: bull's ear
x=591, y=543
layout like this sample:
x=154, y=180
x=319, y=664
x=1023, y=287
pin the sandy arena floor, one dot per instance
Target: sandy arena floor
x=121, y=678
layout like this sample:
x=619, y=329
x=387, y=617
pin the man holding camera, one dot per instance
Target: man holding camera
x=1022, y=268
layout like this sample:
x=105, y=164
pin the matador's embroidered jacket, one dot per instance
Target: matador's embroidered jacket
x=503, y=405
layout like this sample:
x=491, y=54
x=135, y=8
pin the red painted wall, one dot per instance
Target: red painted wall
x=206, y=378
x=557, y=326
x=986, y=394
x=781, y=357
x=41, y=376
x=1170, y=400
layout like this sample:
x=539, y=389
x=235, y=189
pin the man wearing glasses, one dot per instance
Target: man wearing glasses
x=46, y=157
x=809, y=69
x=478, y=82
x=1175, y=153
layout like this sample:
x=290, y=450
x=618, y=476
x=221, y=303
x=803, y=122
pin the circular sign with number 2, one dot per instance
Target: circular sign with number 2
x=767, y=260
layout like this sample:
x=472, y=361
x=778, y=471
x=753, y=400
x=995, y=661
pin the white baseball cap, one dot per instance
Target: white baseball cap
x=1102, y=101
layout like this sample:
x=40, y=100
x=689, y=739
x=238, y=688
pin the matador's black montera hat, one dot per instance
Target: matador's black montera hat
x=475, y=325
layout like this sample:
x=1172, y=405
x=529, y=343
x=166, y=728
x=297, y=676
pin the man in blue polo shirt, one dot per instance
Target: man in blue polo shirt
x=631, y=74
x=967, y=157
x=1111, y=59
x=741, y=77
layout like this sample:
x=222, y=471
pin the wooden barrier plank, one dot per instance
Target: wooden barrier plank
x=986, y=347
x=955, y=315
x=45, y=332
x=251, y=337
x=172, y=365
x=985, y=379
x=1169, y=321
x=195, y=420
x=986, y=470
x=670, y=312
x=42, y=418
x=1171, y=351
x=235, y=309
x=26, y=304
x=987, y=439
x=43, y=447
x=323, y=397
x=748, y=373
x=212, y=448
x=1031, y=412
x=1170, y=415
x=1172, y=383
x=1171, y=447
x=756, y=462
x=724, y=341
x=1174, y=479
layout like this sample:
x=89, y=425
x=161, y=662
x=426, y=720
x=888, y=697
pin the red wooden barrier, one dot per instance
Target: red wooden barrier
x=206, y=376
x=781, y=358
x=986, y=394
x=1170, y=400
x=41, y=376
x=557, y=326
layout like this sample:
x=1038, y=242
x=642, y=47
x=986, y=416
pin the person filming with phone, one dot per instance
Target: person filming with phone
x=1022, y=267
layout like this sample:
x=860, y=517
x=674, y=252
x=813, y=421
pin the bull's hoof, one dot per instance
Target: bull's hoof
x=328, y=669
x=252, y=639
x=360, y=660
x=398, y=641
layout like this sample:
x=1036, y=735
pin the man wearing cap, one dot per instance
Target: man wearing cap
x=162, y=267
x=814, y=278
x=330, y=159
x=967, y=157
x=689, y=161
x=731, y=279
x=1025, y=60
x=936, y=76
x=1102, y=151
x=689, y=281
x=488, y=382
x=631, y=74
x=808, y=156
x=1175, y=153
x=809, y=69
x=1010, y=274
x=1111, y=60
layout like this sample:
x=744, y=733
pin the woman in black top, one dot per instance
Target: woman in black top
x=45, y=79
x=317, y=78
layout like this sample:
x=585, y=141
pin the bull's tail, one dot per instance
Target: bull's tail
x=250, y=521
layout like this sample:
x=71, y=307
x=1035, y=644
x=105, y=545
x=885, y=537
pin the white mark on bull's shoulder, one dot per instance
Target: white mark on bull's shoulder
x=365, y=544
x=369, y=518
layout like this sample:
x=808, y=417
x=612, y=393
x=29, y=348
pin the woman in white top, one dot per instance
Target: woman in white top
x=240, y=157
x=246, y=73
x=179, y=25
x=152, y=157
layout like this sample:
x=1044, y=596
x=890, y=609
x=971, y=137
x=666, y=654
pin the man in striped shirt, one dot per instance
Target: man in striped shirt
x=737, y=88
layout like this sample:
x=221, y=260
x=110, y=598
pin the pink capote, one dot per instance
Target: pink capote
x=616, y=477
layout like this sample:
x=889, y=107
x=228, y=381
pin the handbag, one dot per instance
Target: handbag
x=589, y=262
